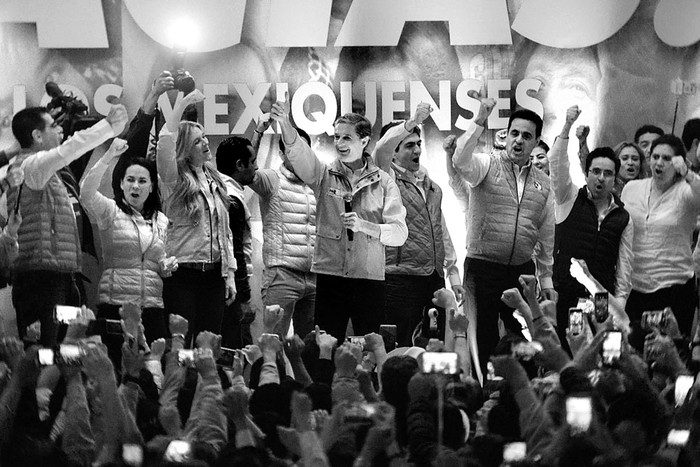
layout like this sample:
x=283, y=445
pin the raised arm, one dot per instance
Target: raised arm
x=100, y=208
x=305, y=163
x=583, y=151
x=40, y=167
x=262, y=124
x=165, y=157
x=564, y=189
x=384, y=150
x=473, y=167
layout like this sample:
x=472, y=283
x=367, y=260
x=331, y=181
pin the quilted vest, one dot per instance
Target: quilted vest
x=424, y=250
x=129, y=274
x=289, y=224
x=503, y=230
x=579, y=236
x=48, y=236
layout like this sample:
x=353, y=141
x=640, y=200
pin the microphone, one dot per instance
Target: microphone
x=53, y=90
x=347, y=199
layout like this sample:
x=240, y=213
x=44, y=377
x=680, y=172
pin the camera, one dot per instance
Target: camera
x=441, y=363
x=183, y=79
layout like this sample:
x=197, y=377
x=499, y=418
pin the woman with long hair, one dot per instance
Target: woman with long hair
x=664, y=209
x=133, y=234
x=632, y=164
x=199, y=234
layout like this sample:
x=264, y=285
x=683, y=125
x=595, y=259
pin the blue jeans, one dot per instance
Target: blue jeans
x=295, y=292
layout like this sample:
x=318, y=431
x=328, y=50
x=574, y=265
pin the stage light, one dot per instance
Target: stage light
x=183, y=34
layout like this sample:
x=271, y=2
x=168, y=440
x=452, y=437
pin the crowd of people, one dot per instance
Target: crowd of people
x=570, y=340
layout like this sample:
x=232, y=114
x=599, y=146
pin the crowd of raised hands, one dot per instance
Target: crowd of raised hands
x=625, y=400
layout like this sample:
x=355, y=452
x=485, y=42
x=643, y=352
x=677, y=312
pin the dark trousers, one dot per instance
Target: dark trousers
x=235, y=326
x=198, y=297
x=154, y=323
x=681, y=298
x=340, y=298
x=408, y=299
x=34, y=296
x=490, y=280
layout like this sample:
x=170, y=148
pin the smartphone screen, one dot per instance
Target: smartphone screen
x=226, y=357
x=45, y=357
x=514, y=452
x=70, y=354
x=114, y=327
x=65, y=314
x=578, y=413
x=678, y=438
x=653, y=320
x=185, y=357
x=575, y=321
x=443, y=363
x=177, y=451
x=612, y=347
x=357, y=340
x=600, y=306
x=683, y=385
x=132, y=455
x=388, y=333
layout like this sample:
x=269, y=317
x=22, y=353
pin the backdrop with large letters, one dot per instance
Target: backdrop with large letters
x=624, y=62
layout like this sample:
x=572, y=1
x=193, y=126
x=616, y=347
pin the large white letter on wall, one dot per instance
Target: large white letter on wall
x=298, y=23
x=380, y=22
x=77, y=24
x=570, y=24
x=218, y=23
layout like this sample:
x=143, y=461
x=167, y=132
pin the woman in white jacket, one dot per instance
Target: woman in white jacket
x=133, y=234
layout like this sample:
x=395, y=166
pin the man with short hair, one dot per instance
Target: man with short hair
x=49, y=258
x=288, y=210
x=591, y=224
x=643, y=137
x=415, y=270
x=236, y=160
x=512, y=220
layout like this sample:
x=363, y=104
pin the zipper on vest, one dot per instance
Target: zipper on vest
x=517, y=212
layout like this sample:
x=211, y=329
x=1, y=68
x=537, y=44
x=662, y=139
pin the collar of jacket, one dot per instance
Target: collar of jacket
x=370, y=176
x=427, y=183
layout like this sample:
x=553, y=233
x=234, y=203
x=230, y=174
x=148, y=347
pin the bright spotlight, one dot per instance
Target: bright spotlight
x=183, y=34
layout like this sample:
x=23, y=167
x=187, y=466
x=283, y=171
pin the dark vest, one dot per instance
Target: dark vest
x=579, y=237
x=424, y=250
